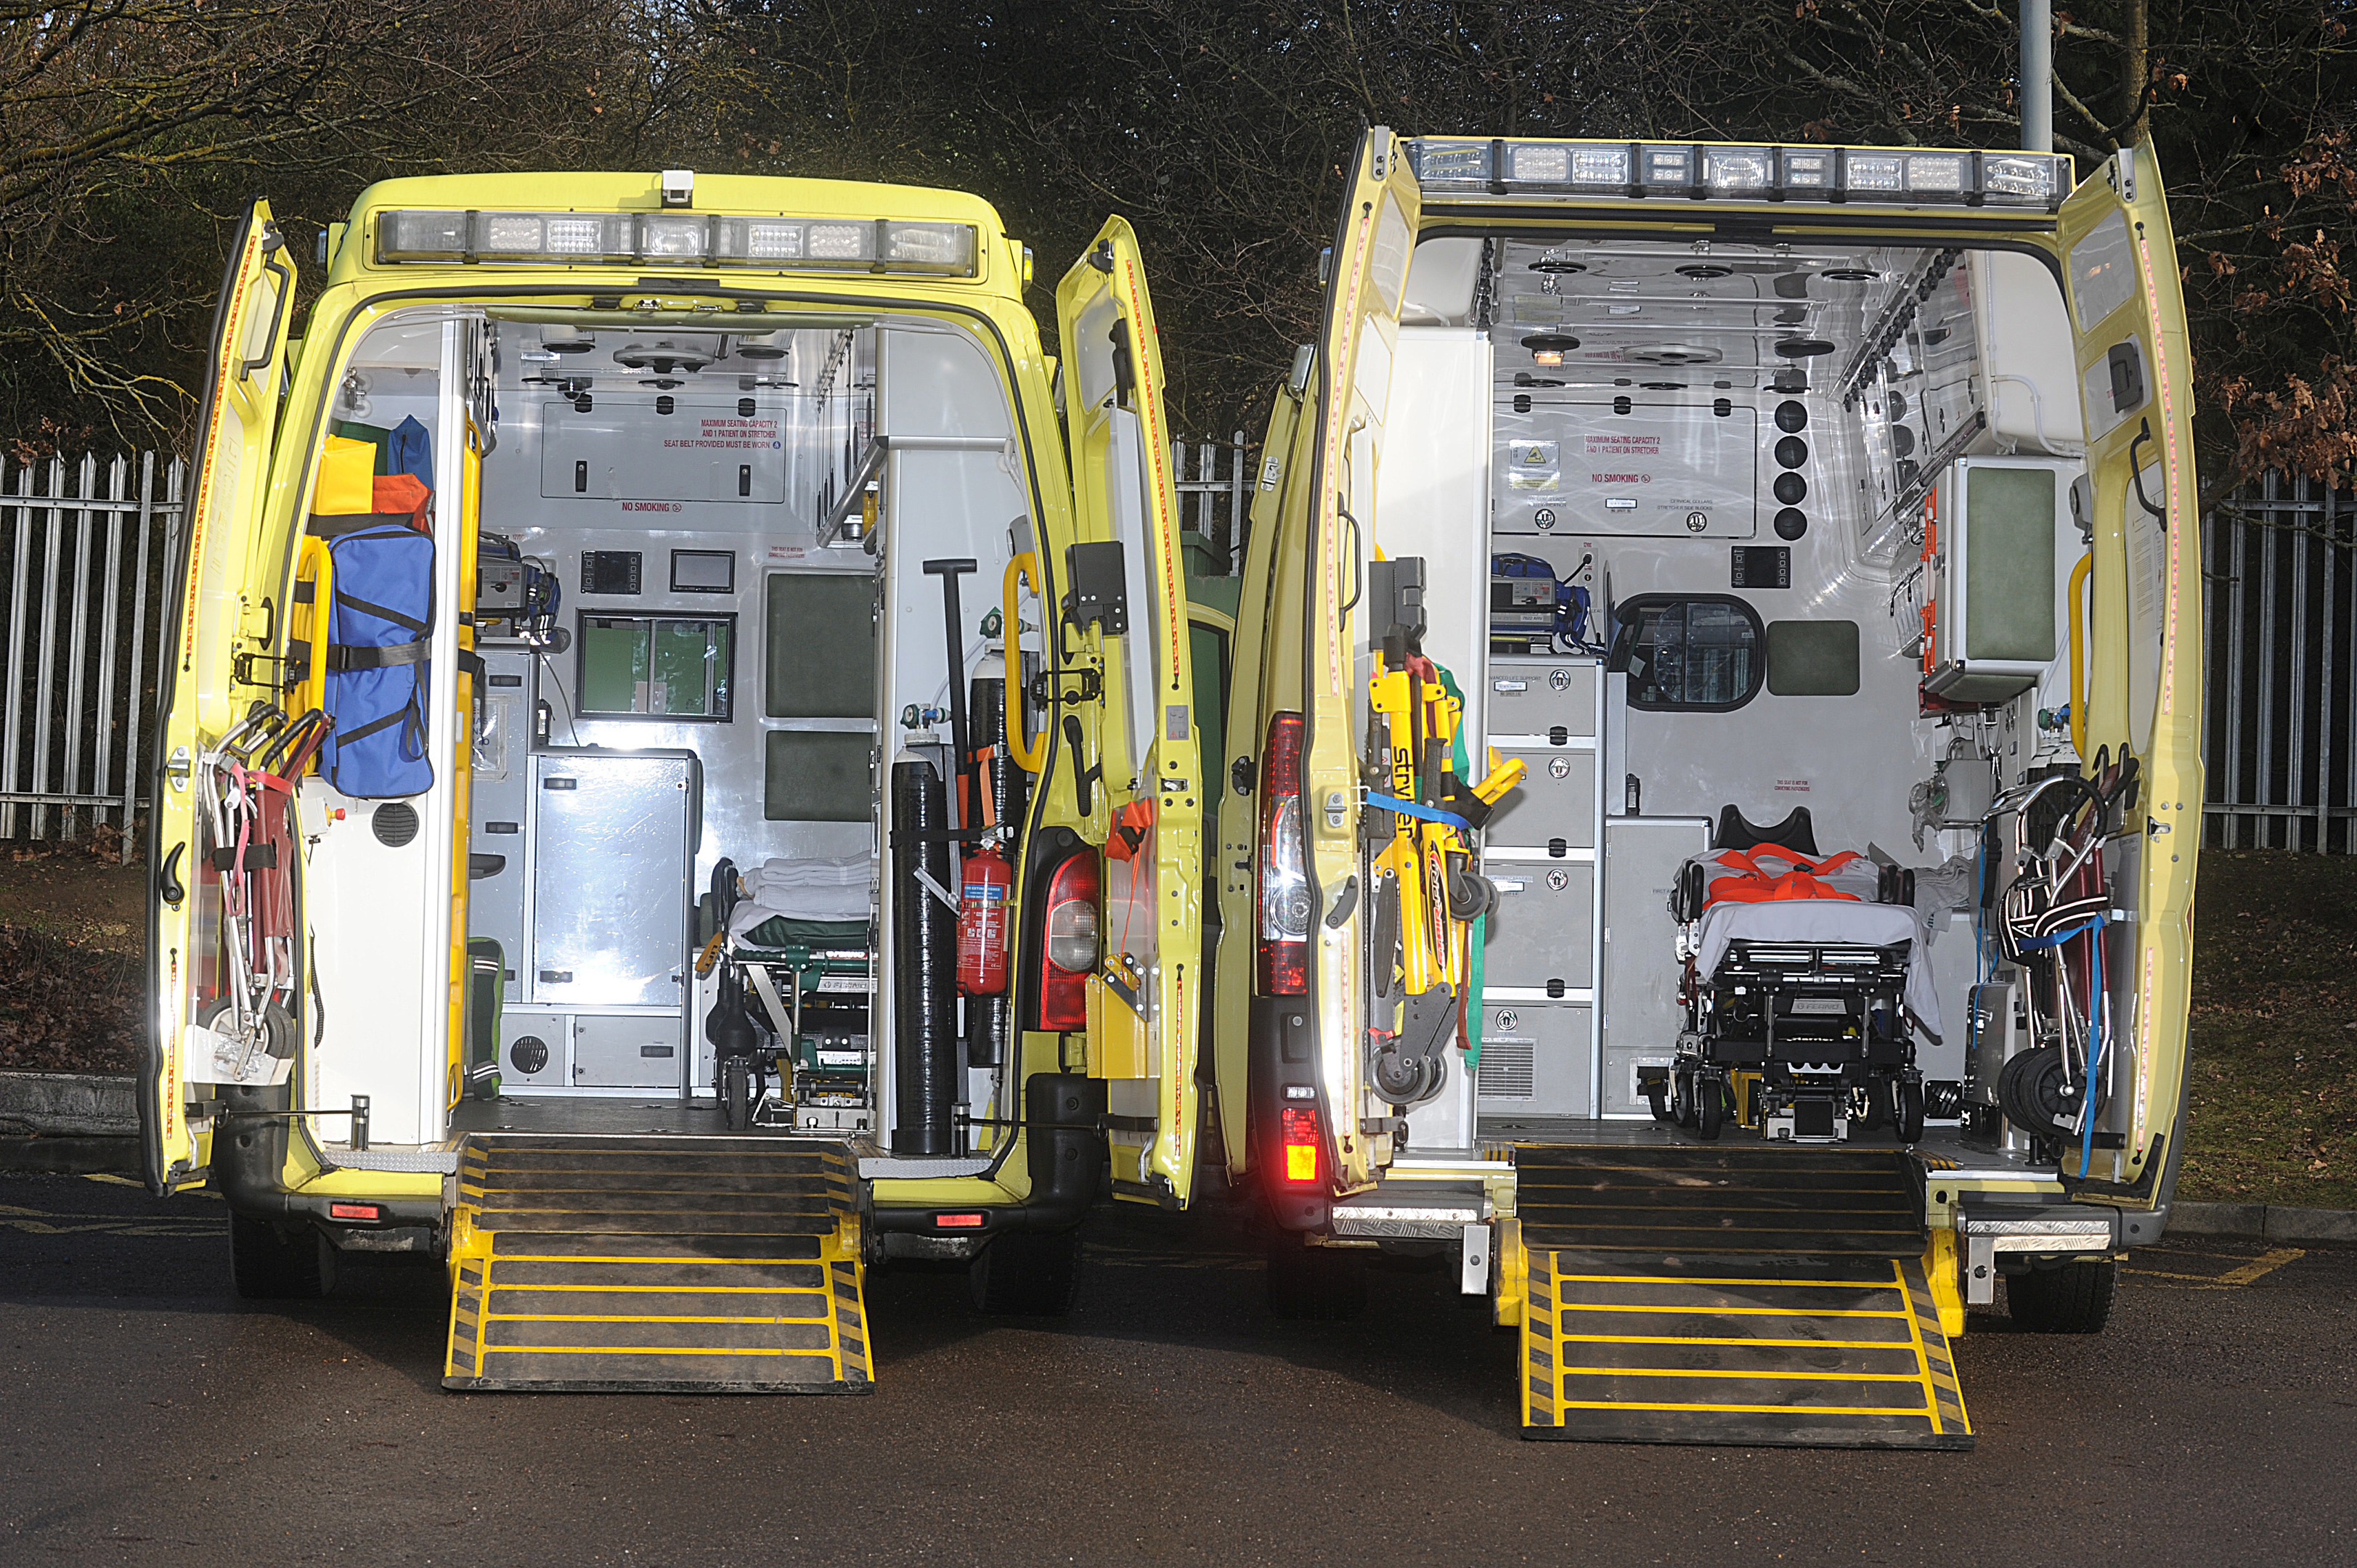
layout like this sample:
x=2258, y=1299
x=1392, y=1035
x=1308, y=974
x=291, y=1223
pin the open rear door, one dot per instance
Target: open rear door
x=1357, y=344
x=2144, y=691
x=210, y=610
x=1144, y=1004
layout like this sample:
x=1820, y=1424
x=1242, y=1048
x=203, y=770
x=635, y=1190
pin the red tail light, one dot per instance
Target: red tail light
x=1281, y=900
x=1069, y=955
x=368, y=1211
x=1301, y=1141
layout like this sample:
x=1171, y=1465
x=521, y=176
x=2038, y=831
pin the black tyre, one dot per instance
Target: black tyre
x=1710, y=1107
x=2075, y=1298
x=1657, y=1101
x=736, y=1093
x=1907, y=1108
x=1878, y=1107
x=269, y=1264
x=1685, y=1082
x=1315, y=1285
x=1023, y=1276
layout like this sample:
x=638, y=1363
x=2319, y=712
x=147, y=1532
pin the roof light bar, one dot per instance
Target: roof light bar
x=711, y=240
x=1706, y=171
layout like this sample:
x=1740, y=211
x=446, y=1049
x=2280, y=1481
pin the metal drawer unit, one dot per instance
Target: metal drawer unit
x=1540, y=954
x=1641, y=1016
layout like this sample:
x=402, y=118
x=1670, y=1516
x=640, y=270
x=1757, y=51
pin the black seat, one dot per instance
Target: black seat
x=1795, y=832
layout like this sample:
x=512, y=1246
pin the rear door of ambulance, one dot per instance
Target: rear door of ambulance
x=1148, y=741
x=1358, y=341
x=210, y=610
x=2144, y=685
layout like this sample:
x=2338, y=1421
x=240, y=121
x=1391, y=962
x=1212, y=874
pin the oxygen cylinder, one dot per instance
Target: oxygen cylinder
x=924, y=966
x=984, y=889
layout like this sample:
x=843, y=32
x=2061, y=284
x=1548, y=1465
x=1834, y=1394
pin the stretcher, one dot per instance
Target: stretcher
x=1805, y=984
x=793, y=942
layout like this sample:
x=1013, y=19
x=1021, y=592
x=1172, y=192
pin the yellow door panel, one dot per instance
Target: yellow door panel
x=1148, y=739
x=212, y=608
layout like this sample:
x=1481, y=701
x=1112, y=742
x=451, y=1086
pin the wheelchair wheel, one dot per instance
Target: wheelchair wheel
x=1657, y=1101
x=1683, y=1109
x=1907, y=1108
x=1710, y=1106
x=736, y=1093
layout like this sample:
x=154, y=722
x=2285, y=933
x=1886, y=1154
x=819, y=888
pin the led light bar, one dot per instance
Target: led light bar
x=1706, y=171
x=694, y=238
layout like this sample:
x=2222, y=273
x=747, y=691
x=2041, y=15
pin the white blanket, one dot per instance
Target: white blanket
x=1826, y=920
x=817, y=889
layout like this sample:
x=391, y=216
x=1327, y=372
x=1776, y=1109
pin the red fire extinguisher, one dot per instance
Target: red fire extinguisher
x=982, y=893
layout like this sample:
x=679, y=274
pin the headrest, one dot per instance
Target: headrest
x=1795, y=832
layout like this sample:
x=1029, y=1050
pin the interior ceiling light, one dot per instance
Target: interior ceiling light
x=1662, y=386
x=1550, y=342
x=1705, y=270
x=1673, y=354
x=1850, y=274
x=760, y=351
x=1557, y=264
x=663, y=358
x=1803, y=348
x=569, y=345
x=662, y=384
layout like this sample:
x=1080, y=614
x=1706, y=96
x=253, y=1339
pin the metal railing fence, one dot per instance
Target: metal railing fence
x=83, y=547
x=1214, y=487
x=83, y=544
x=2279, y=570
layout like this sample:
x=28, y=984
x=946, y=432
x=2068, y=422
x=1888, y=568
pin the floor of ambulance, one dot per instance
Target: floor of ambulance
x=611, y=1116
x=1942, y=1148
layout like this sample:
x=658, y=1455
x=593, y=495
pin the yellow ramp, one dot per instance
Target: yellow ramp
x=680, y=1265
x=1746, y=1296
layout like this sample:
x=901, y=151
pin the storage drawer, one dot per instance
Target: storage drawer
x=1543, y=927
x=1534, y=1059
x=1554, y=806
x=627, y=1052
x=1531, y=700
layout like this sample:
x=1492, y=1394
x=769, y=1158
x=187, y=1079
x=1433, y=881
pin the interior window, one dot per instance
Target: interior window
x=1688, y=652
x=1812, y=657
x=659, y=666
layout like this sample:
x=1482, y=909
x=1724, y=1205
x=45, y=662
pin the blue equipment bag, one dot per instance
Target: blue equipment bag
x=378, y=674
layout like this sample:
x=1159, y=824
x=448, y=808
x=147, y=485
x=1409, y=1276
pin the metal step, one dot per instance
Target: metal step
x=659, y=1264
x=1759, y=1296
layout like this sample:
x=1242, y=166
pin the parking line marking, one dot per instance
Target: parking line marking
x=2257, y=1268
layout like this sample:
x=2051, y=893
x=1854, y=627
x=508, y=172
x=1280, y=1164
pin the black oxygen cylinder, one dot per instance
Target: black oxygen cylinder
x=924, y=967
x=990, y=1019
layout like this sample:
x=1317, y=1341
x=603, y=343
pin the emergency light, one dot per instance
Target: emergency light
x=1617, y=171
x=711, y=240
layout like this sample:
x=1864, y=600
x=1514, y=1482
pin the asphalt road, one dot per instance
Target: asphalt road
x=147, y=1416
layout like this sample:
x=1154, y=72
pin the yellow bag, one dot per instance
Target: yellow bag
x=347, y=469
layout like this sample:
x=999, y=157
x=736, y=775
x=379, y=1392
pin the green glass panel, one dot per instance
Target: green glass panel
x=2009, y=563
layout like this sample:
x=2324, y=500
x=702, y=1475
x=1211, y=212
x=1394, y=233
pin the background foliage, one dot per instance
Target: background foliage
x=131, y=131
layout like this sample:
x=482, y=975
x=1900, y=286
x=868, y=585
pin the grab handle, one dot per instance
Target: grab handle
x=1029, y=757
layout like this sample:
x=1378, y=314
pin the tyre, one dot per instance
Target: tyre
x=2075, y=1298
x=1657, y=1101
x=1315, y=1285
x=1907, y=1108
x=1024, y=1275
x=1684, y=1083
x=1710, y=1107
x=269, y=1264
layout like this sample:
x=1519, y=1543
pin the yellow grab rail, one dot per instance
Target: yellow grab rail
x=2079, y=657
x=1019, y=746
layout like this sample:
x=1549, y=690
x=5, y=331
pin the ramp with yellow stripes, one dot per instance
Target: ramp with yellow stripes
x=1731, y=1296
x=680, y=1265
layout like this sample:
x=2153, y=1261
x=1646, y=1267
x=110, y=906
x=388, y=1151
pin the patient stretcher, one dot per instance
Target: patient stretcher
x=1804, y=984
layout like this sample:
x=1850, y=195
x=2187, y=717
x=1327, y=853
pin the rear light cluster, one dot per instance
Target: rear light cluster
x=1069, y=955
x=1299, y=1136
x=368, y=1212
x=1282, y=899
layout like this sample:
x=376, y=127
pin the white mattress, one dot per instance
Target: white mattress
x=1826, y=920
x=813, y=889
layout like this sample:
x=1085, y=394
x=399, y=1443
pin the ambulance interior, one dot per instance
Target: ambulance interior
x=708, y=638
x=1780, y=547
